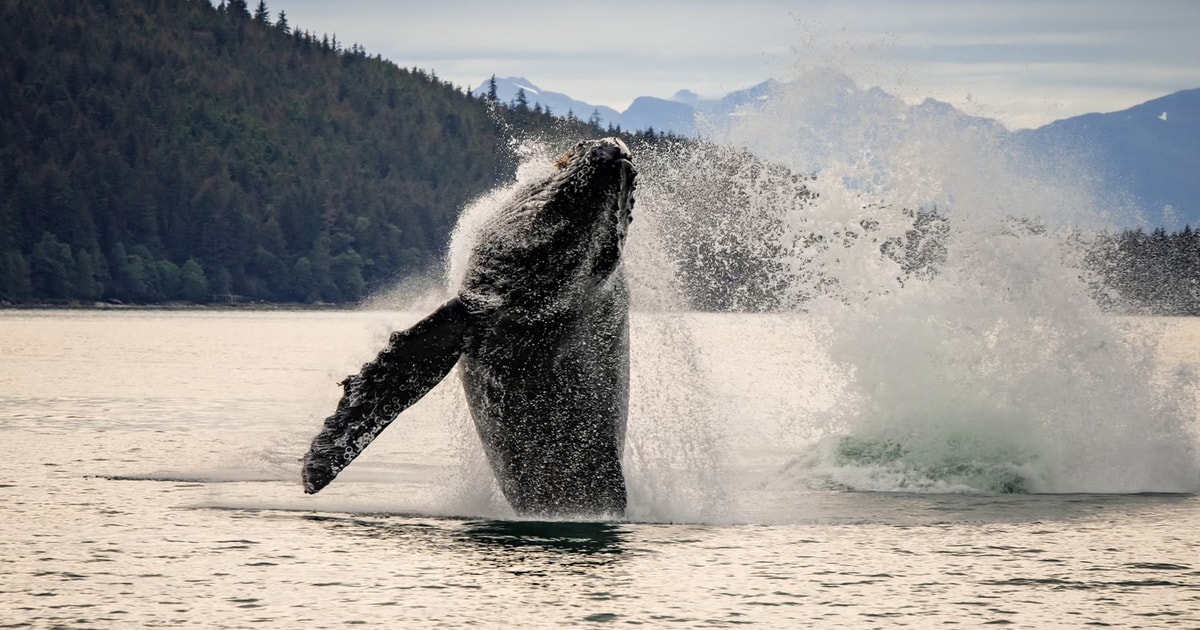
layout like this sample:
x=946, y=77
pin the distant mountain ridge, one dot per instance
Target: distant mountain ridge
x=1148, y=154
x=677, y=115
x=559, y=104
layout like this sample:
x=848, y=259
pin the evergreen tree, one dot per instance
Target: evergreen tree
x=222, y=284
x=165, y=281
x=348, y=276
x=193, y=284
x=15, y=284
x=304, y=285
x=322, y=266
x=281, y=24
x=85, y=282
x=261, y=15
x=52, y=268
x=238, y=8
x=129, y=275
x=492, y=96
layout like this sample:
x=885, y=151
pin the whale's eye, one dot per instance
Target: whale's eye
x=562, y=161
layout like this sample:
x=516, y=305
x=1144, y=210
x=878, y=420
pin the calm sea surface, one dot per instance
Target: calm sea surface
x=149, y=478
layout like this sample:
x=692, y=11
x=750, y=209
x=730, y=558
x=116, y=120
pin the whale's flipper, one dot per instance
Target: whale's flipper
x=414, y=361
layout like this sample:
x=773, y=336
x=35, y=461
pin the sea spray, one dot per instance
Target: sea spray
x=993, y=371
x=676, y=450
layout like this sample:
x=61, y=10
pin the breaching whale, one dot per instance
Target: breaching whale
x=540, y=330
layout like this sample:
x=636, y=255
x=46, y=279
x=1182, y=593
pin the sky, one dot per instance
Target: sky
x=1022, y=62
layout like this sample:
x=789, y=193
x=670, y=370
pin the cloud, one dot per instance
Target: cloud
x=1065, y=55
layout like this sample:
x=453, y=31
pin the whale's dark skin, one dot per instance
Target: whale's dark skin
x=540, y=330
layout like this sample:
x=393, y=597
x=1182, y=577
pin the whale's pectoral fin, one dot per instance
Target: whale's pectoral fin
x=414, y=361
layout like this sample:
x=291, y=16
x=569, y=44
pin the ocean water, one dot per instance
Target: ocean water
x=151, y=479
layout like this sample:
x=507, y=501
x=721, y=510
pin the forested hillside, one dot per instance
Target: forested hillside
x=170, y=150
x=155, y=150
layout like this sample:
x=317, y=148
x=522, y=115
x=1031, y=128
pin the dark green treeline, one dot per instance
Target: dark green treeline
x=158, y=150
x=1156, y=273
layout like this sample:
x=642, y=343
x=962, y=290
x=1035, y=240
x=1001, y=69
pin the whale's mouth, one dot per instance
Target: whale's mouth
x=611, y=150
x=614, y=150
x=628, y=177
x=603, y=151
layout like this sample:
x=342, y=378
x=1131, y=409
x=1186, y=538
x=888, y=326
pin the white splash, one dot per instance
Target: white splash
x=995, y=372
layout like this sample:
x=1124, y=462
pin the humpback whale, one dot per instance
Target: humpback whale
x=539, y=329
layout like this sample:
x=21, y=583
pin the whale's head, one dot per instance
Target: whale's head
x=598, y=175
x=554, y=239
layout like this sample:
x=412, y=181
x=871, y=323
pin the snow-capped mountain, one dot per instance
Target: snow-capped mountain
x=1149, y=153
x=677, y=115
x=559, y=104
